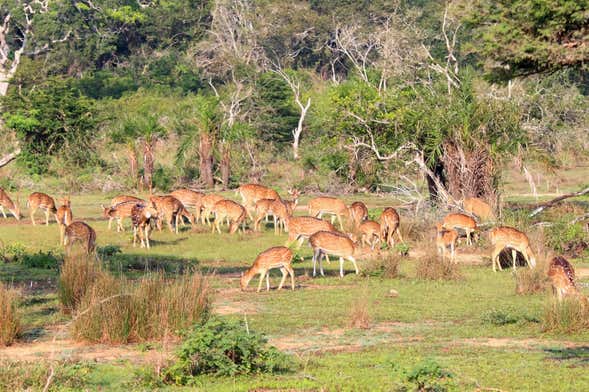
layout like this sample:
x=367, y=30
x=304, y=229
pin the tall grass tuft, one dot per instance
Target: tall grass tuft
x=116, y=310
x=530, y=281
x=434, y=267
x=568, y=316
x=359, y=311
x=386, y=266
x=78, y=272
x=9, y=315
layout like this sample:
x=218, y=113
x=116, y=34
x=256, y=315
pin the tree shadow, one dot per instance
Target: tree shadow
x=578, y=355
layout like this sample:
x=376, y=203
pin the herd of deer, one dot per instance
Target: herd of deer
x=323, y=237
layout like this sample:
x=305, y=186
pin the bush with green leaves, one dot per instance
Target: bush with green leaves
x=13, y=252
x=42, y=260
x=223, y=348
x=563, y=236
x=426, y=376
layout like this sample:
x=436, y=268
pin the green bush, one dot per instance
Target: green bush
x=223, y=348
x=565, y=237
x=41, y=260
x=500, y=317
x=32, y=376
x=163, y=178
x=429, y=376
x=13, y=252
x=108, y=251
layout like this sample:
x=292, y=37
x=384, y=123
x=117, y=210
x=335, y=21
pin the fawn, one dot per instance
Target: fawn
x=463, y=222
x=446, y=238
x=234, y=212
x=6, y=202
x=389, y=224
x=508, y=237
x=64, y=217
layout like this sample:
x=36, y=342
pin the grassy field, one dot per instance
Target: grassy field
x=476, y=328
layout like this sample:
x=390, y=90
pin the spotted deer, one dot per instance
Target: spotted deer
x=122, y=199
x=446, y=238
x=120, y=212
x=64, y=217
x=208, y=205
x=301, y=227
x=6, y=202
x=171, y=210
x=479, y=208
x=79, y=232
x=43, y=201
x=190, y=199
x=275, y=207
x=334, y=244
x=328, y=205
x=389, y=225
x=562, y=277
x=463, y=222
x=142, y=217
x=234, y=212
x=251, y=193
x=358, y=213
x=369, y=231
x=276, y=257
x=508, y=237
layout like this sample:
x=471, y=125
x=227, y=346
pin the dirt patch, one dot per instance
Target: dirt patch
x=517, y=343
x=582, y=272
x=463, y=256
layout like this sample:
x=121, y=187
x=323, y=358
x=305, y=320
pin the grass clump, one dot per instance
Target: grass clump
x=78, y=273
x=13, y=252
x=34, y=376
x=530, y=280
x=223, y=348
x=116, y=310
x=567, y=316
x=10, y=324
x=501, y=317
x=433, y=267
x=359, y=311
x=386, y=266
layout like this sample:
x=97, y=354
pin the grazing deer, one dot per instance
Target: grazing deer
x=119, y=212
x=328, y=205
x=446, y=238
x=142, y=216
x=208, y=205
x=335, y=244
x=358, y=213
x=251, y=193
x=170, y=209
x=369, y=231
x=479, y=208
x=6, y=202
x=45, y=202
x=562, y=278
x=121, y=199
x=301, y=227
x=234, y=213
x=508, y=237
x=461, y=221
x=276, y=257
x=64, y=217
x=275, y=207
x=79, y=232
x=389, y=225
x=190, y=199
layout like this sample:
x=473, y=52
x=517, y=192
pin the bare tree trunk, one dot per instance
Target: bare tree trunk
x=299, y=129
x=5, y=160
x=205, y=148
x=148, y=147
x=225, y=164
x=133, y=165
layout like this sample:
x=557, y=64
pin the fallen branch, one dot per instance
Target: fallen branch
x=5, y=160
x=541, y=207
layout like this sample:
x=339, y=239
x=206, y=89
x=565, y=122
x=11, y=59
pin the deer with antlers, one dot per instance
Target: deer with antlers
x=38, y=200
x=142, y=217
x=463, y=222
x=234, y=212
x=64, y=217
x=6, y=202
x=446, y=238
x=276, y=257
x=328, y=205
x=509, y=237
x=389, y=225
x=79, y=232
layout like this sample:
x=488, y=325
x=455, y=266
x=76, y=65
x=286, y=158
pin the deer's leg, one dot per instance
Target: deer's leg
x=341, y=267
x=514, y=257
x=339, y=219
x=33, y=210
x=284, y=275
x=495, y=258
x=315, y=252
x=399, y=234
x=268, y=280
x=147, y=230
x=257, y=222
x=453, y=253
x=262, y=274
x=321, y=254
x=47, y=217
x=353, y=260
x=2, y=210
x=301, y=240
x=134, y=235
x=290, y=271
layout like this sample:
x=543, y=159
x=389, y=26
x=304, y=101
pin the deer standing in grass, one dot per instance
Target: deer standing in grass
x=118, y=200
x=276, y=257
x=369, y=231
x=279, y=210
x=6, y=202
x=142, y=217
x=508, y=237
x=234, y=212
x=463, y=222
x=170, y=209
x=479, y=208
x=328, y=205
x=79, y=232
x=208, y=205
x=358, y=213
x=64, y=217
x=251, y=193
x=446, y=238
x=190, y=199
x=563, y=280
x=43, y=201
x=335, y=244
x=120, y=212
x=301, y=227
x=389, y=225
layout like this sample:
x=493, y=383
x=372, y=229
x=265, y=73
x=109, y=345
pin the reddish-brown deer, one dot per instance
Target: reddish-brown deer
x=301, y=227
x=6, y=202
x=208, y=205
x=276, y=257
x=64, y=217
x=171, y=210
x=328, y=205
x=446, y=238
x=120, y=212
x=122, y=199
x=335, y=244
x=79, y=232
x=234, y=213
x=190, y=199
x=275, y=207
x=508, y=237
x=479, y=208
x=563, y=280
x=369, y=231
x=251, y=193
x=463, y=222
x=389, y=225
x=358, y=213
x=142, y=217
x=43, y=201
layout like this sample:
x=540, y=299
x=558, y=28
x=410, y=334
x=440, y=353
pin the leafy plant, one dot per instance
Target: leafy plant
x=13, y=252
x=429, y=376
x=43, y=260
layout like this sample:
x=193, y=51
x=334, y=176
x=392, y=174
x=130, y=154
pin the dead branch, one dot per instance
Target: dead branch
x=5, y=160
x=541, y=207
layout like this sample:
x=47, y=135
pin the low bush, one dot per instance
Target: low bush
x=108, y=251
x=223, y=348
x=33, y=376
x=13, y=252
x=567, y=316
x=434, y=267
x=78, y=273
x=567, y=238
x=9, y=315
x=530, y=280
x=386, y=266
x=429, y=376
x=359, y=311
x=43, y=260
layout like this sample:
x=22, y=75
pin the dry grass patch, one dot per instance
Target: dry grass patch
x=78, y=273
x=386, y=266
x=433, y=267
x=359, y=311
x=9, y=315
x=568, y=316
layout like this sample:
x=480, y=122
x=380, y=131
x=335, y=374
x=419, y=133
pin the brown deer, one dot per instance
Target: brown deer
x=251, y=193
x=208, y=205
x=79, y=232
x=190, y=199
x=479, y=208
x=142, y=216
x=6, y=202
x=120, y=212
x=446, y=238
x=369, y=231
x=276, y=257
x=170, y=209
x=234, y=213
x=64, y=217
x=45, y=202
x=275, y=207
x=301, y=227
x=508, y=237
x=389, y=224
x=328, y=205
x=122, y=199
x=461, y=221
x=563, y=280
x=335, y=244
x=358, y=213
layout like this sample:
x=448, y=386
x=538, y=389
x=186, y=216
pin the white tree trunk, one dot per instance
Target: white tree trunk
x=299, y=129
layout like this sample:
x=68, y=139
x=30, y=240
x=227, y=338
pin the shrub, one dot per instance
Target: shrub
x=77, y=274
x=9, y=315
x=28, y=376
x=40, y=260
x=386, y=266
x=565, y=237
x=530, y=281
x=108, y=251
x=569, y=316
x=429, y=376
x=499, y=317
x=13, y=252
x=223, y=348
x=433, y=267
